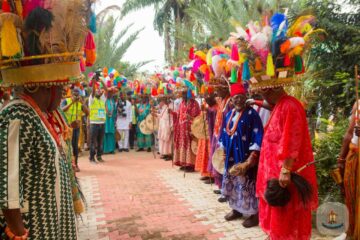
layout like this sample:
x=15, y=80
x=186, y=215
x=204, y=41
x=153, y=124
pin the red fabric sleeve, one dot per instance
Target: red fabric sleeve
x=293, y=132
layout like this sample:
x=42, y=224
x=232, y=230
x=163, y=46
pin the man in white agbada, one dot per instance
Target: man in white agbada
x=123, y=122
x=165, y=130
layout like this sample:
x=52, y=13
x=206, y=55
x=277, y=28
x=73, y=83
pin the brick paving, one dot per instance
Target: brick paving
x=134, y=196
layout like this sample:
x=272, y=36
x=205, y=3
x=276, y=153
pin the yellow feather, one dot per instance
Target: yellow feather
x=299, y=23
x=10, y=45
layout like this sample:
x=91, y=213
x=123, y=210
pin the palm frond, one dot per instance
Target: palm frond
x=133, y=5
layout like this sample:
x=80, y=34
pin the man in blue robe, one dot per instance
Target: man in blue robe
x=241, y=138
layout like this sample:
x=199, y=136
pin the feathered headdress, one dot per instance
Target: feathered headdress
x=46, y=46
x=271, y=51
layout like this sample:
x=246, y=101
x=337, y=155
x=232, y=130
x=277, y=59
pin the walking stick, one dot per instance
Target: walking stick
x=205, y=131
x=153, y=123
x=357, y=206
x=357, y=100
x=172, y=138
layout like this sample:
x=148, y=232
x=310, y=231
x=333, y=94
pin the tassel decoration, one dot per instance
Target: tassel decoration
x=210, y=89
x=287, y=60
x=207, y=75
x=246, y=71
x=258, y=65
x=10, y=46
x=299, y=66
x=202, y=89
x=82, y=64
x=270, y=69
x=92, y=23
x=165, y=90
x=209, y=57
x=90, y=49
x=235, y=53
x=191, y=53
x=6, y=6
x=19, y=7
x=154, y=92
x=192, y=77
x=233, y=75
x=189, y=94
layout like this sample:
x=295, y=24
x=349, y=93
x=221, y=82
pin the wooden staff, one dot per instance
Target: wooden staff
x=357, y=206
x=153, y=130
x=172, y=134
x=205, y=131
x=357, y=93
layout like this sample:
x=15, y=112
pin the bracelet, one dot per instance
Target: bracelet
x=341, y=160
x=285, y=170
x=12, y=236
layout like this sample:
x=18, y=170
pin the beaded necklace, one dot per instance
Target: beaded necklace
x=231, y=131
x=49, y=125
x=219, y=116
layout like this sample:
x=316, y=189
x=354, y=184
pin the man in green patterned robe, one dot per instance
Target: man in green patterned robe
x=35, y=187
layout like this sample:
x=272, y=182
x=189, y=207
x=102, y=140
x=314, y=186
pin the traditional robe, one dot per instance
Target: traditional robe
x=286, y=136
x=187, y=112
x=165, y=130
x=36, y=177
x=143, y=140
x=240, y=190
x=109, y=138
x=223, y=107
x=202, y=156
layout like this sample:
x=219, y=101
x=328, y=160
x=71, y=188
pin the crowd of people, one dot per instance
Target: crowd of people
x=241, y=130
x=235, y=126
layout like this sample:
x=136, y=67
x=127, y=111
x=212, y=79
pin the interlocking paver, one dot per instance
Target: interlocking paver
x=134, y=196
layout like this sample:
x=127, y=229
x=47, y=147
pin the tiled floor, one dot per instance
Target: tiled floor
x=134, y=196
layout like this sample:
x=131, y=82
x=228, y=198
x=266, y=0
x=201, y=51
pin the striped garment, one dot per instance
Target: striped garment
x=34, y=177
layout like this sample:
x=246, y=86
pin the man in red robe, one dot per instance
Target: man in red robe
x=189, y=109
x=285, y=148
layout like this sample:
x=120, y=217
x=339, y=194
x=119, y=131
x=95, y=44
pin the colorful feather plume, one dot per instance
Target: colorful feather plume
x=69, y=30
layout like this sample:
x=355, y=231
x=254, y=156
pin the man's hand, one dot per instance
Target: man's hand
x=250, y=102
x=240, y=169
x=284, y=179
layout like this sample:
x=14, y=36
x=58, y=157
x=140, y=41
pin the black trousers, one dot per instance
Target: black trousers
x=132, y=135
x=97, y=132
x=75, y=143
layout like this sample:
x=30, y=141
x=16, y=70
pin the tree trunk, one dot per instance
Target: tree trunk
x=167, y=42
x=179, y=16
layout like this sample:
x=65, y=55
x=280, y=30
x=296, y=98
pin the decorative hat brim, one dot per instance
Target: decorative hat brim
x=42, y=75
x=284, y=77
x=273, y=83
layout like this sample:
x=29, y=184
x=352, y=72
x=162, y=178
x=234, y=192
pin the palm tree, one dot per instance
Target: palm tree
x=168, y=14
x=112, y=46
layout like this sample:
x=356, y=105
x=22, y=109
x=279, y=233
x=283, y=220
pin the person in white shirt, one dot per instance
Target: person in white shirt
x=123, y=122
x=97, y=116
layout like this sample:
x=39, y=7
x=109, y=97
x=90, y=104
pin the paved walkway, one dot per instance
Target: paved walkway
x=134, y=196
